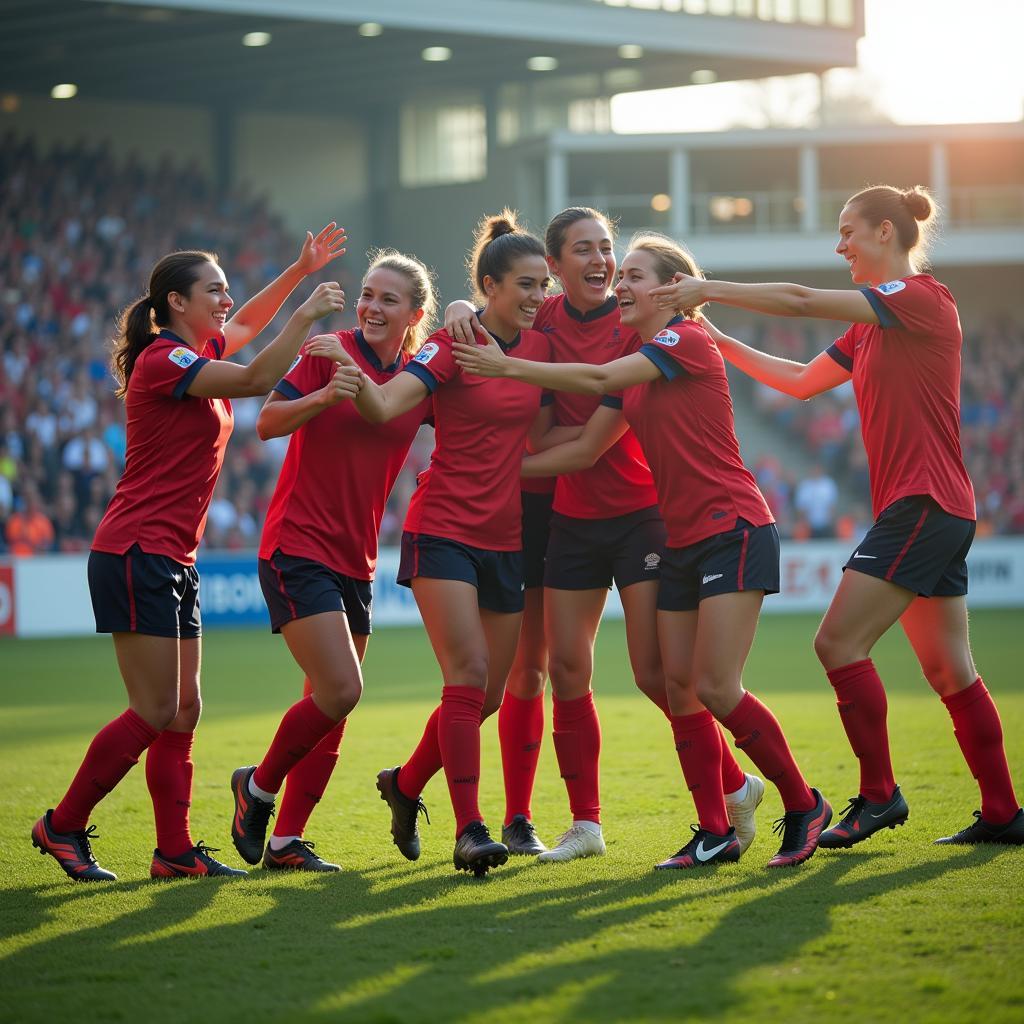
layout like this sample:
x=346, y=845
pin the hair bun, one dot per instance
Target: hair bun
x=919, y=203
x=503, y=223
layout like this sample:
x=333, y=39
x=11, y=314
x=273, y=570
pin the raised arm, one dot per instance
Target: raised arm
x=254, y=315
x=219, y=379
x=281, y=416
x=605, y=426
x=800, y=380
x=780, y=299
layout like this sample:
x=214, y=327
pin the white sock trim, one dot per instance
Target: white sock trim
x=260, y=794
x=588, y=826
x=280, y=842
x=740, y=794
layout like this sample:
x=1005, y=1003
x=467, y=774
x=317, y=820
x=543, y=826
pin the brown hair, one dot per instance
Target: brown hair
x=669, y=258
x=421, y=291
x=558, y=227
x=175, y=272
x=497, y=243
x=911, y=211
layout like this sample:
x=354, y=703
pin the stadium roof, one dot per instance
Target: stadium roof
x=190, y=51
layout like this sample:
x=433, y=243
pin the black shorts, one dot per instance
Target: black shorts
x=295, y=588
x=497, y=575
x=142, y=593
x=916, y=544
x=588, y=554
x=536, y=529
x=743, y=558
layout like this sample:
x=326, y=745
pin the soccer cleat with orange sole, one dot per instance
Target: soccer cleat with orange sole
x=801, y=831
x=71, y=850
x=193, y=863
x=298, y=855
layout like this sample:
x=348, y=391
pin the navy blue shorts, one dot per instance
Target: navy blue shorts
x=497, y=575
x=743, y=558
x=536, y=530
x=295, y=588
x=142, y=593
x=917, y=545
x=589, y=554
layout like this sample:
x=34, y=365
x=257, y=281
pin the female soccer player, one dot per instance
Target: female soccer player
x=903, y=354
x=606, y=527
x=461, y=549
x=168, y=360
x=319, y=547
x=722, y=555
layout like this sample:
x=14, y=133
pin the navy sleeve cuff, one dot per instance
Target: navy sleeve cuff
x=669, y=368
x=419, y=371
x=288, y=389
x=886, y=317
x=181, y=388
x=611, y=402
x=840, y=357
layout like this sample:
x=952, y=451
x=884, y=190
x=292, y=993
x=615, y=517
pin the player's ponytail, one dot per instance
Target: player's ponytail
x=421, y=292
x=497, y=243
x=175, y=272
x=669, y=258
x=912, y=213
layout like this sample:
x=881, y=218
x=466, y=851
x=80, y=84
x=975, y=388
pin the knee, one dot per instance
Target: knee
x=947, y=678
x=158, y=711
x=189, y=712
x=491, y=704
x=469, y=669
x=651, y=681
x=526, y=682
x=337, y=697
x=833, y=649
x=715, y=693
x=568, y=672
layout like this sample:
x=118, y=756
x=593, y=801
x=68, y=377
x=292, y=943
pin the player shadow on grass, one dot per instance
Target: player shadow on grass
x=355, y=946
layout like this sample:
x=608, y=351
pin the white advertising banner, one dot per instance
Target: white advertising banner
x=49, y=595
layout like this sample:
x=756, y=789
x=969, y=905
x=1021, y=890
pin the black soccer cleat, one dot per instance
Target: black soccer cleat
x=862, y=818
x=71, y=850
x=249, y=824
x=801, y=831
x=704, y=849
x=981, y=831
x=520, y=837
x=298, y=855
x=476, y=851
x=193, y=863
x=404, y=810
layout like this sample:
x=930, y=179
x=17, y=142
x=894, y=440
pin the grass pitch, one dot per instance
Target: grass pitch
x=896, y=929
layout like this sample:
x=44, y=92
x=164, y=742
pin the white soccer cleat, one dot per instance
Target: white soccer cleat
x=741, y=812
x=579, y=841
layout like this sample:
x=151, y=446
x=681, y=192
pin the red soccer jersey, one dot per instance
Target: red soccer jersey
x=175, y=450
x=470, y=491
x=684, y=421
x=906, y=376
x=620, y=481
x=339, y=469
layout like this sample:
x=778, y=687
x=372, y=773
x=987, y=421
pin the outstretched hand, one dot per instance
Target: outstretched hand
x=318, y=251
x=484, y=360
x=682, y=292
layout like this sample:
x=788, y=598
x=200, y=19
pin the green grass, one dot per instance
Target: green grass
x=897, y=929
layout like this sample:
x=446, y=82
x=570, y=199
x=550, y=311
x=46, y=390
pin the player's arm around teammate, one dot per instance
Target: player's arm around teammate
x=721, y=559
x=318, y=551
x=142, y=576
x=903, y=354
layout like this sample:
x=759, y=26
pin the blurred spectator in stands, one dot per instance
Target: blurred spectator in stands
x=29, y=530
x=815, y=499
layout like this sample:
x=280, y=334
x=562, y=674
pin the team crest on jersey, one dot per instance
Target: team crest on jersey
x=667, y=338
x=428, y=352
x=295, y=362
x=182, y=356
x=890, y=287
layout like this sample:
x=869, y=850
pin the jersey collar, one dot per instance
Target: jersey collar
x=593, y=314
x=169, y=335
x=372, y=358
x=677, y=319
x=505, y=347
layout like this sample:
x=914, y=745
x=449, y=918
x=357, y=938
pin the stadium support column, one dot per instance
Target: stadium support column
x=679, y=192
x=938, y=158
x=810, y=190
x=556, y=176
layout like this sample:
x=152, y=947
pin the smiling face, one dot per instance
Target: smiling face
x=203, y=310
x=637, y=278
x=865, y=248
x=586, y=263
x=384, y=310
x=513, y=301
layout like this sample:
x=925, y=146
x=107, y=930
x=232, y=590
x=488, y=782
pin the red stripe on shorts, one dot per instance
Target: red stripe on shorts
x=743, y=560
x=131, y=591
x=906, y=547
x=280, y=584
x=415, y=555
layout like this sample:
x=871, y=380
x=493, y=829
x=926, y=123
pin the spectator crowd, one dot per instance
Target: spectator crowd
x=79, y=232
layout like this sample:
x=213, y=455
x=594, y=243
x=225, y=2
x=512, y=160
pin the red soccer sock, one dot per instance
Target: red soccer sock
x=115, y=749
x=307, y=783
x=979, y=732
x=733, y=776
x=759, y=736
x=520, y=731
x=699, y=749
x=424, y=762
x=169, y=772
x=577, y=736
x=863, y=708
x=458, y=733
x=304, y=725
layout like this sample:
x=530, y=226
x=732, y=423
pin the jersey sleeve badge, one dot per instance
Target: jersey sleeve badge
x=891, y=287
x=295, y=362
x=667, y=338
x=428, y=352
x=182, y=356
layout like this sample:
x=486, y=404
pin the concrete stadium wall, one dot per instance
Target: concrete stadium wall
x=49, y=596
